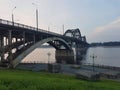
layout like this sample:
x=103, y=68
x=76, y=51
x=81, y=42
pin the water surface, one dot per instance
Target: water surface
x=105, y=55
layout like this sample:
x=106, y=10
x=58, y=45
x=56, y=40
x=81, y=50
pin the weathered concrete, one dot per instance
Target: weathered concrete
x=65, y=56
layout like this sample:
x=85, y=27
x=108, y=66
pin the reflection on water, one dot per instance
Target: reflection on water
x=105, y=55
x=41, y=55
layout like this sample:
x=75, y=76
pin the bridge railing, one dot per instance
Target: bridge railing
x=102, y=66
x=6, y=22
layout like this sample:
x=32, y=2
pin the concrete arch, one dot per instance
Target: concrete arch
x=17, y=60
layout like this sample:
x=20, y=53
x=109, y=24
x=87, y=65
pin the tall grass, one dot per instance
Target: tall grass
x=27, y=80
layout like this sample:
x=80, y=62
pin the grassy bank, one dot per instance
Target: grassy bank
x=27, y=80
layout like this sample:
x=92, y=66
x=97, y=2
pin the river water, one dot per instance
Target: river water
x=104, y=55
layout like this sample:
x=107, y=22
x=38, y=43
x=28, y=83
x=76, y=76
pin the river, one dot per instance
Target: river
x=104, y=55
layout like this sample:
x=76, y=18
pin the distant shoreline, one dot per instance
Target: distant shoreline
x=105, y=44
x=90, y=46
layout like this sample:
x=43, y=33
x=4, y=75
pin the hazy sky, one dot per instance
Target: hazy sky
x=99, y=20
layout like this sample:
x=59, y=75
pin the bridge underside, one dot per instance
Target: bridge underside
x=65, y=56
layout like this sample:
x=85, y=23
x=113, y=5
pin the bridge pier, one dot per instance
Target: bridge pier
x=34, y=38
x=24, y=39
x=64, y=56
x=80, y=52
x=10, y=57
x=2, y=48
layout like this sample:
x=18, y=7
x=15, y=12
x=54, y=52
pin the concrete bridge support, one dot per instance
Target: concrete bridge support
x=64, y=56
x=10, y=48
x=80, y=52
x=2, y=57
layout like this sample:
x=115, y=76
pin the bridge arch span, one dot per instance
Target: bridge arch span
x=73, y=33
x=17, y=60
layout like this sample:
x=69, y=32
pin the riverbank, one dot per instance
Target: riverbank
x=105, y=72
x=28, y=80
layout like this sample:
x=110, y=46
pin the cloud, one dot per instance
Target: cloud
x=109, y=32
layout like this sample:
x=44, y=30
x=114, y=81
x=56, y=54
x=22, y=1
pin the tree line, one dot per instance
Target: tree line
x=106, y=44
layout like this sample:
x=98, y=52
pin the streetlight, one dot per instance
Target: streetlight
x=93, y=57
x=48, y=56
x=63, y=28
x=13, y=15
x=36, y=15
x=48, y=29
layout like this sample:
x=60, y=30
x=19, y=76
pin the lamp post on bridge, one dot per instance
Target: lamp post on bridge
x=13, y=15
x=36, y=15
x=93, y=57
x=48, y=28
x=63, y=28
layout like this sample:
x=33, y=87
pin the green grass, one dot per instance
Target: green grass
x=27, y=80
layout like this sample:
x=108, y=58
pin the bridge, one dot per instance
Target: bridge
x=18, y=40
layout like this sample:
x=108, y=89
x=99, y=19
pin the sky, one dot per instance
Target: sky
x=98, y=20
